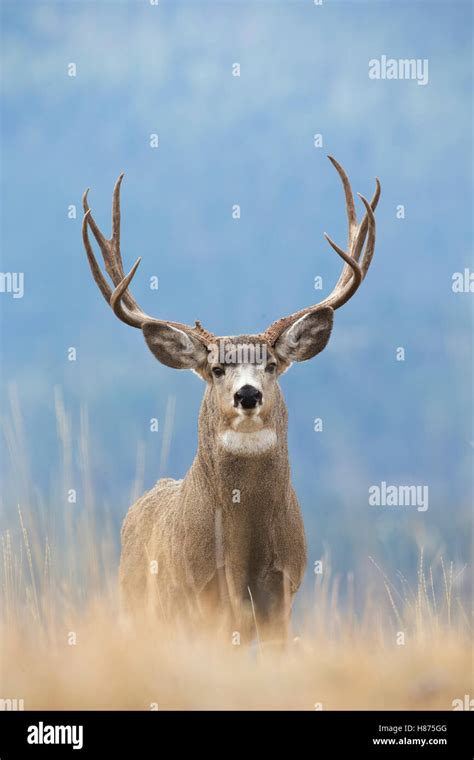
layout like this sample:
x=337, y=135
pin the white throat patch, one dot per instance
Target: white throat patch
x=243, y=444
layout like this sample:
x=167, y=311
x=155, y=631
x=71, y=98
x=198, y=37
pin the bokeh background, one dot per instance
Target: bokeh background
x=167, y=69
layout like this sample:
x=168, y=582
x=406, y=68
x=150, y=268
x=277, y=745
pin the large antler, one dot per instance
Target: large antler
x=355, y=267
x=120, y=299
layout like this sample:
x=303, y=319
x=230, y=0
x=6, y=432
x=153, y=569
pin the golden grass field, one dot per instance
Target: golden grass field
x=63, y=645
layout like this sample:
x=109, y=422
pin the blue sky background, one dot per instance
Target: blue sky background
x=167, y=69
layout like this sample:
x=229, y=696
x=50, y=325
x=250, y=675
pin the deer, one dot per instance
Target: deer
x=229, y=537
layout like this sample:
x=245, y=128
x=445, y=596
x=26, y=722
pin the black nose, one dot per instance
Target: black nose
x=248, y=397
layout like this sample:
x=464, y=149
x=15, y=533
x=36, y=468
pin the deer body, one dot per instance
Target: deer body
x=229, y=536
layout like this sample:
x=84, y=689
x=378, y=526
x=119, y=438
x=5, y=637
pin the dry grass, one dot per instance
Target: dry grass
x=64, y=647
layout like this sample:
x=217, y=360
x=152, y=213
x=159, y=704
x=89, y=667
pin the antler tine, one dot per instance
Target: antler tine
x=115, y=263
x=116, y=217
x=354, y=267
x=95, y=269
x=370, y=247
x=353, y=272
x=350, y=206
x=120, y=310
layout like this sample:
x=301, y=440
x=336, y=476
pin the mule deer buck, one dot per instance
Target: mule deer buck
x=229, y=536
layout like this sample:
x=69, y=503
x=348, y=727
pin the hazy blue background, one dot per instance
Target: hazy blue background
x=167, y=69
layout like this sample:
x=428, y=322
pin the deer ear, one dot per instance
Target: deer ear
x=174, y=347
x=306, y=337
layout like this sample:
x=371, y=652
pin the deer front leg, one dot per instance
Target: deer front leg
x=272, y=597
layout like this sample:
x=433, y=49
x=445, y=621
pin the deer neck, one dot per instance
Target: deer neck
x=251, y=467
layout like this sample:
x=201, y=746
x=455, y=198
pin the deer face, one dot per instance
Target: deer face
x=242, y=377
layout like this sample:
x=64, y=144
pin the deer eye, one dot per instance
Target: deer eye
x=271, y=367
x=218, y=371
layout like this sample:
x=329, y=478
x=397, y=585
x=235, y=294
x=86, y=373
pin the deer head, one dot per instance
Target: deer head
x=241, y=372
